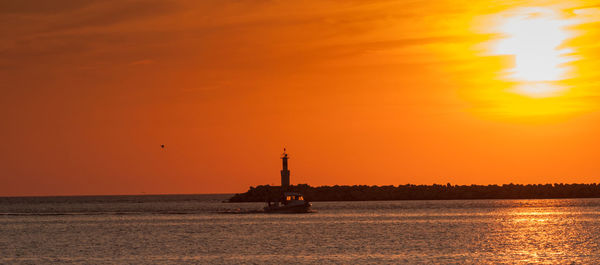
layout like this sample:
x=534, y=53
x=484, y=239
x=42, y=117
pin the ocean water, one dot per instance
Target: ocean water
x=176, y=229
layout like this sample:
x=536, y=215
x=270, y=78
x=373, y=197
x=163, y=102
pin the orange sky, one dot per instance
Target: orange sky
x=377, y=93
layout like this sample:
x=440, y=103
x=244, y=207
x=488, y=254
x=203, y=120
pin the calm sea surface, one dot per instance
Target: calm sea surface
x=176, y=229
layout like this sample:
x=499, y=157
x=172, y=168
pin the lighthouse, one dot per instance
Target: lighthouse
x=285, y=172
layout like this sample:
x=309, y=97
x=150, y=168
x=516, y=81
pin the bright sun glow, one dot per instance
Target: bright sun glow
x=539, y=70
x=534, y=36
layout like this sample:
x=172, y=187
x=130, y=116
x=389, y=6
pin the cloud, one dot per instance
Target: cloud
x=42, y=7
x=68, y=32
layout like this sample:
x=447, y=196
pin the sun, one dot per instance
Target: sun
x=534, y=37
x=529, y=68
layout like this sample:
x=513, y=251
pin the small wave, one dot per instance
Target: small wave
x=239, y=211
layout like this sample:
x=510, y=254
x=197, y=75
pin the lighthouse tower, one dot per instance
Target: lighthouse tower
x=285, y=172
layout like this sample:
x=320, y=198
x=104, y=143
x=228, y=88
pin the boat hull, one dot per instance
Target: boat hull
x=303, y=208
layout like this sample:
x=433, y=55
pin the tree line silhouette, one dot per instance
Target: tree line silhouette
x=423, y=192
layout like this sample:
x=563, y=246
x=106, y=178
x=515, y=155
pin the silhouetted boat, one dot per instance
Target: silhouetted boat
x=291, y=202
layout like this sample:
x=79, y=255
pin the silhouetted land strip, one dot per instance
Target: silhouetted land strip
x=424, y=192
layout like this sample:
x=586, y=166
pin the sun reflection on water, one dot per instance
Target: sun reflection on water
x=533, y=234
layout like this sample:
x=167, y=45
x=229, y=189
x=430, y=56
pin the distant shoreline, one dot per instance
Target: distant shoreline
x=135, y=198
x=424, y=192
x=118, y=195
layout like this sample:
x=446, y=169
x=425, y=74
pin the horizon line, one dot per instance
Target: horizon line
x=233, y=193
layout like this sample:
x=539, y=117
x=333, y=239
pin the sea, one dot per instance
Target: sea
x=202, y=229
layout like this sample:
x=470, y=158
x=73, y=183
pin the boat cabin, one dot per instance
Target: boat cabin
x=288, y=198
x=292, y=196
